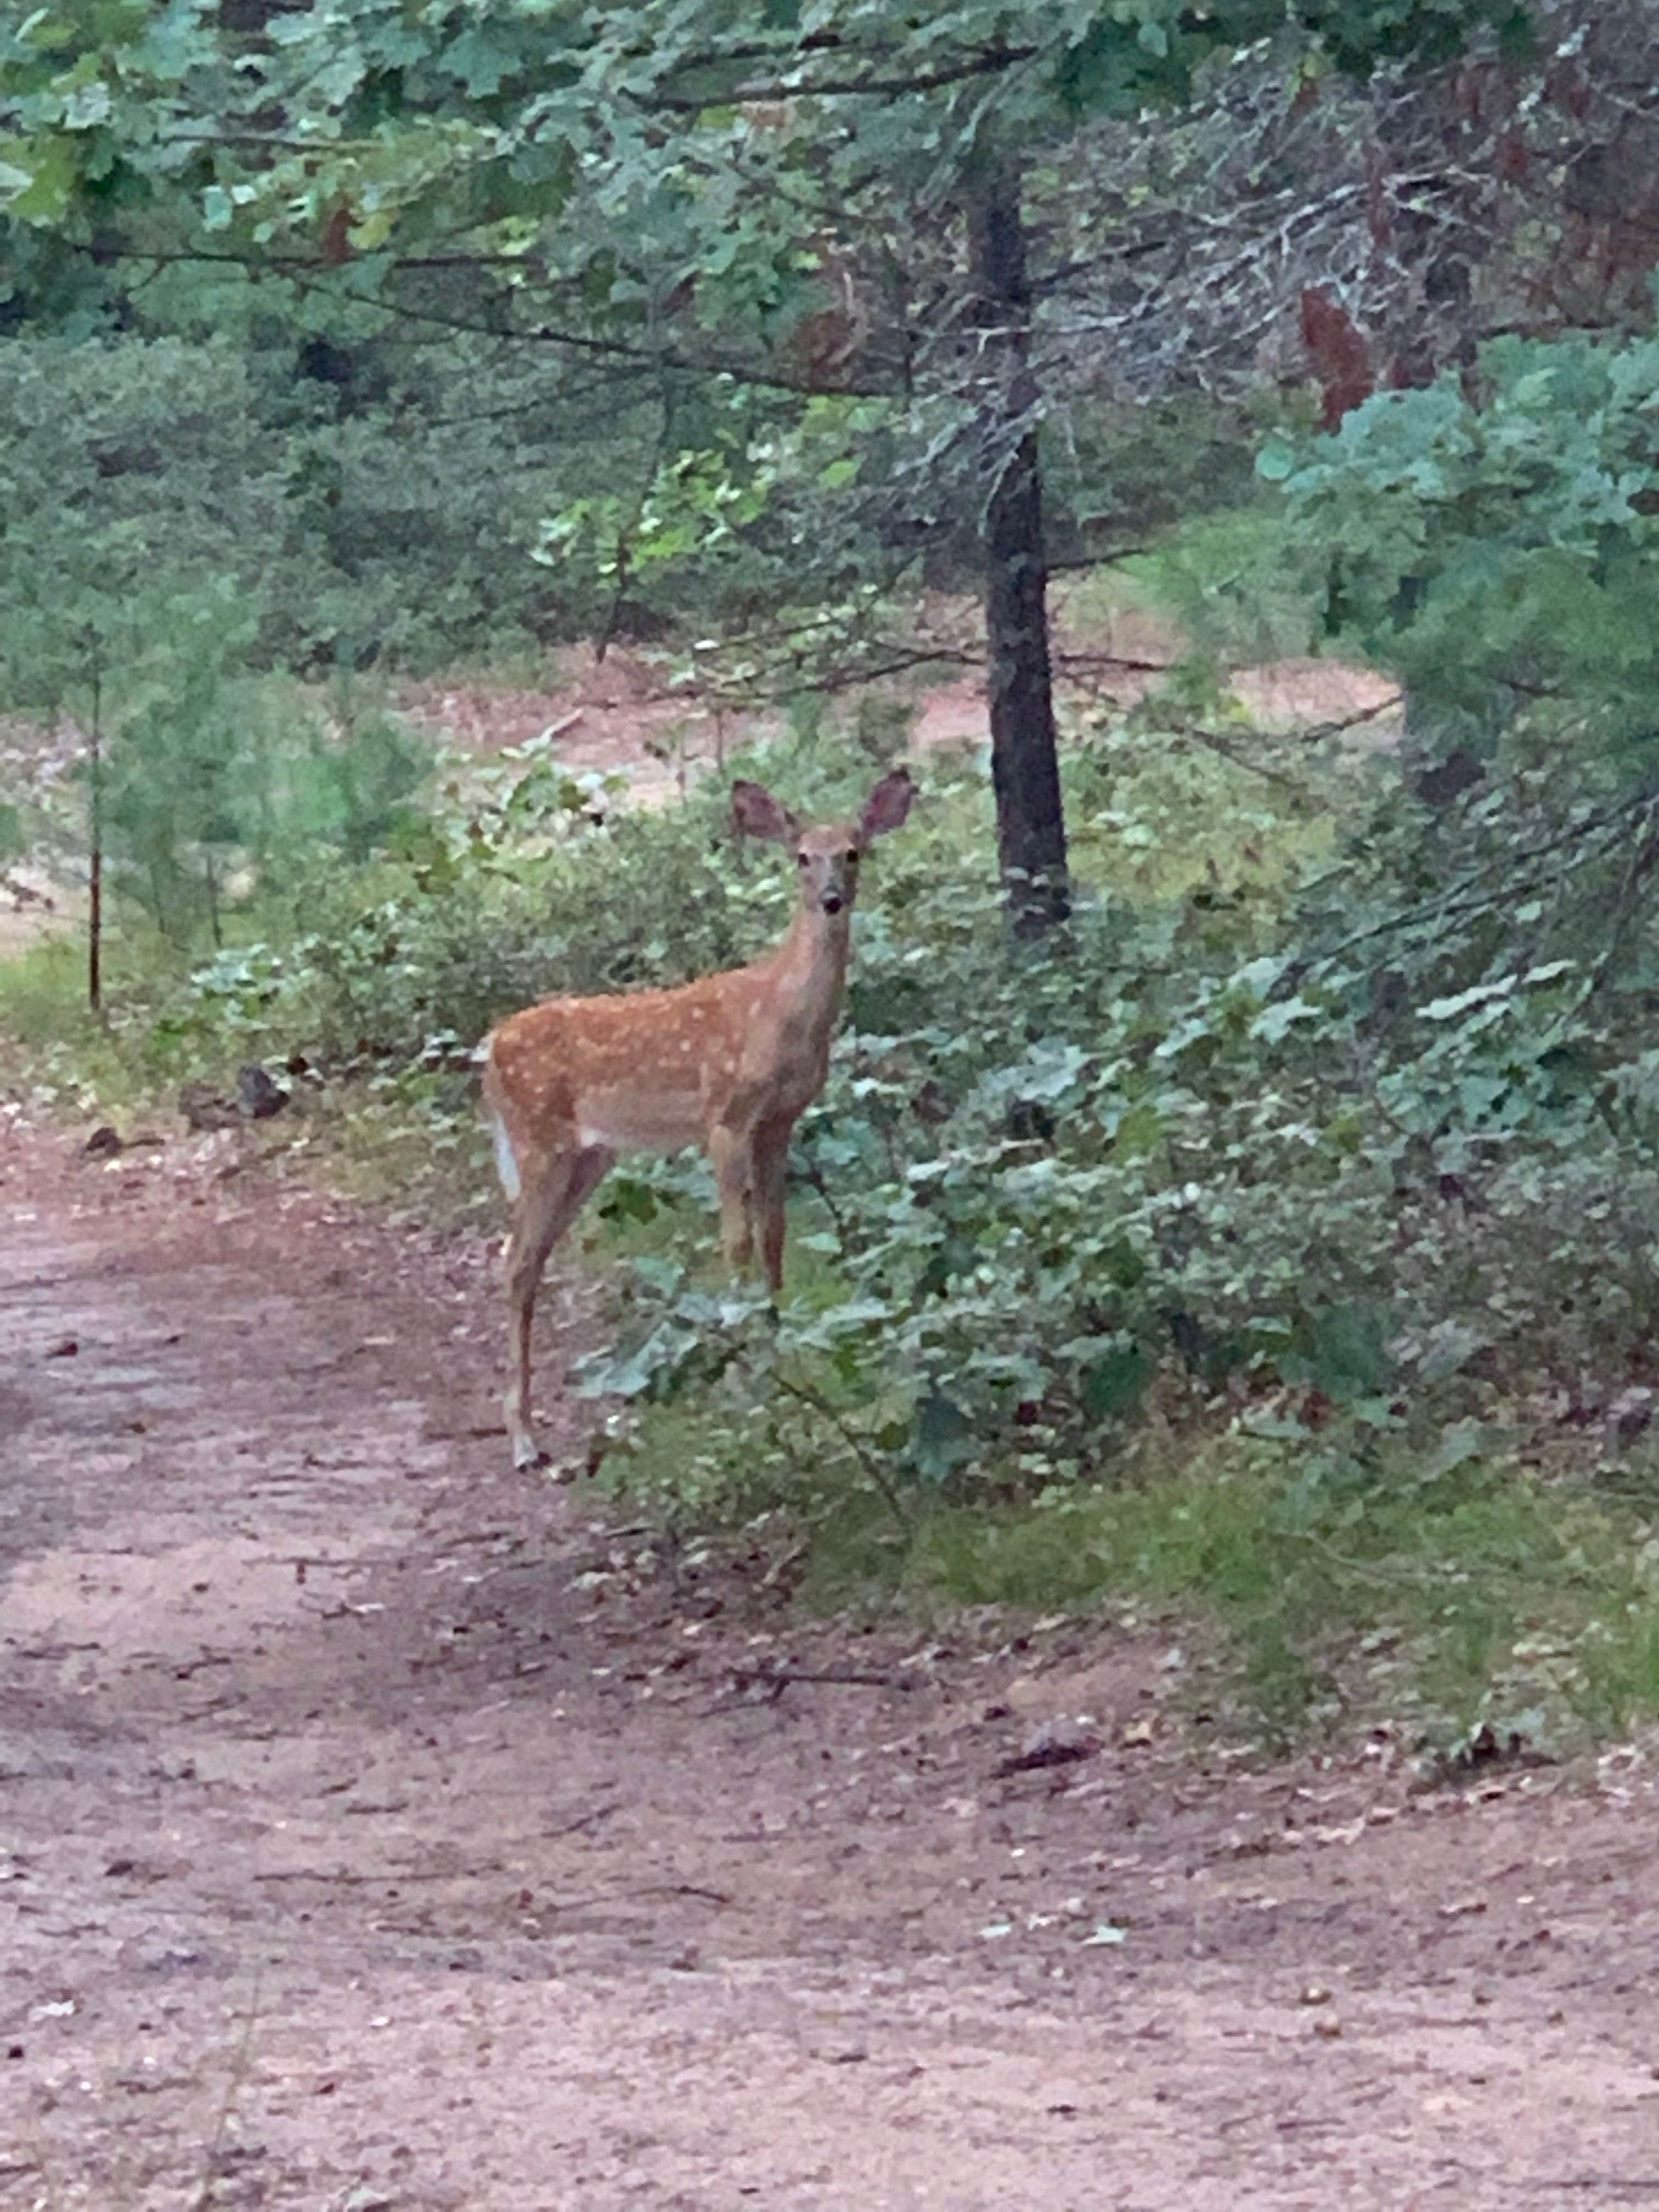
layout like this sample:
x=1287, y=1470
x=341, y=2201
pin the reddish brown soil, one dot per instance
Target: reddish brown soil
x=616, y=716
x=378, y=1831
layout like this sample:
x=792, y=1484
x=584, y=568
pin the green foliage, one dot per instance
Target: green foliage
x=781, y=419
x=1493, y=539
x=126, y=489
x=416, y=477
x=1229, y=580
x=365, y=503
x=71, y=1063
x=1447, y=1593
x=134, y=504
x=420, y=125
x=747, y=515
x=347, y=782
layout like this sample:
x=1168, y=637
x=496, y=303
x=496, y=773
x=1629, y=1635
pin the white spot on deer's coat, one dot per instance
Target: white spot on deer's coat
x=507, y=1166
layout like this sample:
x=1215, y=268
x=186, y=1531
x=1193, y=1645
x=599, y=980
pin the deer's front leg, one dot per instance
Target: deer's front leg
x=729, y=1150
x=771, y=1153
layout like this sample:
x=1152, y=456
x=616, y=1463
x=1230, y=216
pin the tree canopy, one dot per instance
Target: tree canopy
x=722, y=208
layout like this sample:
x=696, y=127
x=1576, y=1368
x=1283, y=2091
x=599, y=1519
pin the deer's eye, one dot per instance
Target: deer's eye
x=803, y=857
x=852, y=859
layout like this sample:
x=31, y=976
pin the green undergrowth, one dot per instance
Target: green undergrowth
x=1486, y=1596
x=70, y=1062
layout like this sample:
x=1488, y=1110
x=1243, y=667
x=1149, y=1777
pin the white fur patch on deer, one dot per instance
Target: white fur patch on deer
x=730, y=1062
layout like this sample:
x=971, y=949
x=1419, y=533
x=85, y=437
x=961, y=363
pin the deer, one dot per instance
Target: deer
x=729, y=1062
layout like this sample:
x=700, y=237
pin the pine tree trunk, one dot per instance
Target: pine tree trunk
x=1024, y=768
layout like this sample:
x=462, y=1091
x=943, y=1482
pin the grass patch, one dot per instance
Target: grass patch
x=374, y=1142
x=1313, y=1600
x=1485, y=1594
x=52, y=1045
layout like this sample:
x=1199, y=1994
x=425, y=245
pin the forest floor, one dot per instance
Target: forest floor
x=380, y=1829
x=616, y=716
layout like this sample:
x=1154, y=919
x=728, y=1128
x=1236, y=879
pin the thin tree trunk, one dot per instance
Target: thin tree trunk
x=95, y=845
x=1024, y=768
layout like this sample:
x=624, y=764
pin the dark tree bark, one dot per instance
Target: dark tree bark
x=1024, y=768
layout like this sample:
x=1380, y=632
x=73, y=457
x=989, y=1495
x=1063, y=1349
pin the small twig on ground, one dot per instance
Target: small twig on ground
x=778, y=1679
x=1609, y=2186
x=218, y=1705
x=342, y=1879
x=587, y=1821
x=646, y=1889
x=1045, y=1756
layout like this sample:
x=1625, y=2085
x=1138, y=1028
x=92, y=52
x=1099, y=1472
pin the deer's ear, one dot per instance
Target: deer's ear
x=887, y=805
x=758, y=814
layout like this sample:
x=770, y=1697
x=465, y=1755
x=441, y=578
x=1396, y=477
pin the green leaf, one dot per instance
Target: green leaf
x=628, y=1198
x=1349, y=1357
x=1110, y=1387
x=1276, y=461
x=941, y=1436
x=53, y=167
x=1276, y=1022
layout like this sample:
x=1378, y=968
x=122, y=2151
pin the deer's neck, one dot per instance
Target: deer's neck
x=809, y=968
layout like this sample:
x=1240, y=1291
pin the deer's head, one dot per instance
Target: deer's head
x=827, y=853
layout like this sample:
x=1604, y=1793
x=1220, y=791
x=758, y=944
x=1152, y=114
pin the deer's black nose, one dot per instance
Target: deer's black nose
x=832, y=904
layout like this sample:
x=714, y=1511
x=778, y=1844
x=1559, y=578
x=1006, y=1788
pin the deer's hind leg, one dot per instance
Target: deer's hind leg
x=553, y=1193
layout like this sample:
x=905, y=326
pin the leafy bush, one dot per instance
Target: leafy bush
x=1493, y=537
x=1371, y=1151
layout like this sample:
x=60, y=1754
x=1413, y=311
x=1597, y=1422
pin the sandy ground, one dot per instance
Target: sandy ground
x=380, y=1829
x=615, y=716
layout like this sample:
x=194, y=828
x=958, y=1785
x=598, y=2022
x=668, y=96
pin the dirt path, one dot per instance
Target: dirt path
x=375, y=1834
